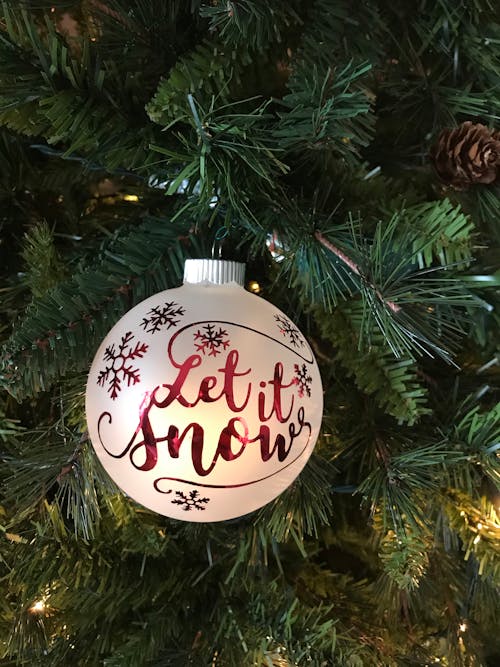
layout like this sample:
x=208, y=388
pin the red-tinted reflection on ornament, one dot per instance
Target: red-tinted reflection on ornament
x=234, y=436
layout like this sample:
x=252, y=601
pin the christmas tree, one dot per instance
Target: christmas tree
x=349, y=154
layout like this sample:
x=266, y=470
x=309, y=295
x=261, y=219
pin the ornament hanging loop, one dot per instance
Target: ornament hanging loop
x=220, y=235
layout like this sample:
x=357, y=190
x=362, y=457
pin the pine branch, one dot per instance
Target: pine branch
x=304, y=265
x=308, y=504
x=442, y=233
x=44, y=84
x=402, y=481
x=255, y=23
x=452, y=32
x=327, y=112
x=297, y=630
x=332, y=22
x=393, y=383
x=45, y=344
x=102, y=585
x=353, y=267
x=10, y=429
x=428, y=84
x=435, y=604
x=414, y=310
x=32, y=476
x=478, y=529
x=206, y=70
x=480, y=44
x=477, y=435
x=54, y=461
x=316, y=274
x=484, y=604
x=151, y=36
x=405, y=557
x=44, y=268
x=218, y=146
x=483, y=203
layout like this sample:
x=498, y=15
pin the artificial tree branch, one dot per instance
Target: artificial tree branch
x=354, y=268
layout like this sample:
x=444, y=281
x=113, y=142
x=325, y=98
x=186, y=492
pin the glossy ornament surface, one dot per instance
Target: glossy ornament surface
x=204, y=402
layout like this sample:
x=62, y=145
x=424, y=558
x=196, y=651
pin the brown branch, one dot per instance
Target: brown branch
x=354, y=268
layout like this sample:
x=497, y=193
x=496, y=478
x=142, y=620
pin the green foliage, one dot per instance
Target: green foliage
x=478, y=529
x=348, y=34
x=448, y=76
x=388, y=283
x=258, y=24
x=44, y=345
x=208, y=68
x=30, y=481
x=484, y=204
x=403, y=558
x=384, y=275
x=308, y=504
x=315, y=273
x=325, y=112
x=443, y=233
x=409, y=323
x=151, y=36
x=61, y=94
x=44, y=268
x=402, y=480
x=394, y=383
x=130, y=142
x=69, y=474
x=477, y=434
x=10, y=429
x=233, y=146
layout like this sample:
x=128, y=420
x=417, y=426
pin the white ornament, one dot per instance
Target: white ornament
x=204, y=402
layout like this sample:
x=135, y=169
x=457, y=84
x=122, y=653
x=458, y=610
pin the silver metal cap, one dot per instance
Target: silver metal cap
x=215, y=271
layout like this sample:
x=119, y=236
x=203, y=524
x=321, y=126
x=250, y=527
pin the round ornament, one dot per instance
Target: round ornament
x=204, y=402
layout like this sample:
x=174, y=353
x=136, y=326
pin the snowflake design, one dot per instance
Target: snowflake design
x=118, y=370
x=160, y=316
x=302, y=379
x=191, y=501
x=288, y=329
x=211, y=340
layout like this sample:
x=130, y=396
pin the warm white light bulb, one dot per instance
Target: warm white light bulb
x=254, y=287
x=38, y=607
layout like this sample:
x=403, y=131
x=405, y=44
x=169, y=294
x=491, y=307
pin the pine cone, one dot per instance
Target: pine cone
x=467, y=154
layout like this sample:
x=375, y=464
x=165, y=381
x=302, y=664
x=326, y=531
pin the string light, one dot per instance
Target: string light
x=254, y=287
x=476, y=539
x=38, y=607
x=130, y=198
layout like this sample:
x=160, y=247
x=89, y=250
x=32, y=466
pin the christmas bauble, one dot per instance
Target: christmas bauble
x=204, y=402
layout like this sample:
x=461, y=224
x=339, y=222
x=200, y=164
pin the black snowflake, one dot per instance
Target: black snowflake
x=211, y=340
x=117, y=371
x=190, y=501
x=160, y=316
x=302, y=380
x=288, y=329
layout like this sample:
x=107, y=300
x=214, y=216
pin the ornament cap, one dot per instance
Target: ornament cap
x=214, y=271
